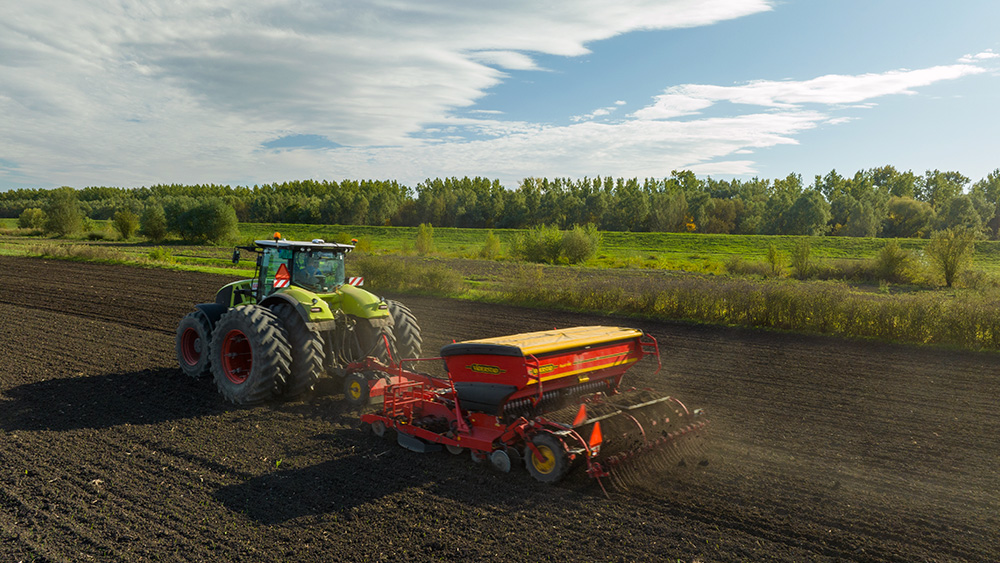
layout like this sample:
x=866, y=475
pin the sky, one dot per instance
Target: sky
x=246, y=92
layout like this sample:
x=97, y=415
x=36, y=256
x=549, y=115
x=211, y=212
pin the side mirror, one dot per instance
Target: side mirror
x=236, y=256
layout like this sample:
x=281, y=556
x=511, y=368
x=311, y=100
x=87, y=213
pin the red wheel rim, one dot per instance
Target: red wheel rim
x=191, y=346
x=237, y=356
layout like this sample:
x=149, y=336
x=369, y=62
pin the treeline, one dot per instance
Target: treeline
x=876, y=202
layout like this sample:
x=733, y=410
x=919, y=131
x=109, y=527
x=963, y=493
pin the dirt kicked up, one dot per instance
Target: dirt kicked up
x=820, y=449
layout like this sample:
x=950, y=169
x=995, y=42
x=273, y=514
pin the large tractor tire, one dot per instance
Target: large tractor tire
x=409, y=343
x=306, y=347
x=251, y=357
x=194, y=334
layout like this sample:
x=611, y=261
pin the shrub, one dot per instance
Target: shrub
x=491, y=247
x=63, y=212
x=209, y=221
x=153, y=223
x=774, y=259
x=892, y=264
x=950, y=251
x=580, y=244
x=31, y=218
x=547, y=244
x=425, y=239
x=126, y=223
x=538, y=244
x=385, y=273
x=160, y=254
x=801, y=262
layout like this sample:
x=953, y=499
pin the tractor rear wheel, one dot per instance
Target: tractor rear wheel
x=194, y=335
x=406, y=330
x=554, y=463
x=307, y=351
x=251, y=357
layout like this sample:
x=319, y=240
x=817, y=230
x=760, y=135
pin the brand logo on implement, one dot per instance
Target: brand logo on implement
x=547, y=368
x=481, y=368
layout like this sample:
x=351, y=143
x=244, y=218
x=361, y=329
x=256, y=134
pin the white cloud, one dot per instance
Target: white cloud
x=134, y=93
x=983, y=56
x=139, y=92
x=830, y=89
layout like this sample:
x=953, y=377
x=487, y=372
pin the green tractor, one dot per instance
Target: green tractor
x=272, y=336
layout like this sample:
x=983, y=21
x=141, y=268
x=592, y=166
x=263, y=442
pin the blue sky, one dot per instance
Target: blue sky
x=123, y=93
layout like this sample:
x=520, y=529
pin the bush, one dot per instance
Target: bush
x=153, y=223
x=209, y=221
x=126, y=223
x=538, y=244
x=774, y=259
x=425, y=239
x=547, y=244
x=390, y=274
x=892, y=264
x=63, y=212
x=491, y=248
x=160, y=254
x=737, y=266
x=802, y=264
x=580, y=244
x=950, y=251
x=31, y=218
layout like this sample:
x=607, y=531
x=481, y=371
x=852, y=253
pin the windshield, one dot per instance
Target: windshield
x=318, y=270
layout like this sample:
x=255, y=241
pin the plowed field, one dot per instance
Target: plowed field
x=820, y=449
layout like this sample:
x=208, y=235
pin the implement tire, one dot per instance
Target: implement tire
x=306, y=348
x=194, y=334
x=406, y=330
x=251, y=357
x=555, y=463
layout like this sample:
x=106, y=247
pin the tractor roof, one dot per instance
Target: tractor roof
x=315, y=244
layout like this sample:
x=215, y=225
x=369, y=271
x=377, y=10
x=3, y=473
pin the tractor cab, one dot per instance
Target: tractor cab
x=316, y=265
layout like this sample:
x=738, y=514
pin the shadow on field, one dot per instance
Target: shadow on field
x=375, y=475
x=143, y=397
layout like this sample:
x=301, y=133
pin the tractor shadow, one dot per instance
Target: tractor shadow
x=93, y=402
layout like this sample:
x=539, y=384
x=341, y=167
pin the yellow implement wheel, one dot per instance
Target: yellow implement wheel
x=356, y=390
x=551, y=463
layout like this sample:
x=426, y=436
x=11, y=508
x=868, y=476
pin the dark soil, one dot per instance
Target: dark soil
x=820, y=450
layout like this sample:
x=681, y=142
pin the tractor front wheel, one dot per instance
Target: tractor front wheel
x=193, y=338
x=251, y=357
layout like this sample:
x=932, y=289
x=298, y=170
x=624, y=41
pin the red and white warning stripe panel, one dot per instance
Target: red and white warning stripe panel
x=281, y=283
x=356, y=281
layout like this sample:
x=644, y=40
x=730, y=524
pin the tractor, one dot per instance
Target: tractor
x=273, y=335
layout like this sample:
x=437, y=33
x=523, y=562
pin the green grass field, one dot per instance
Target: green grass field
x=691, y=252
x=639, y=274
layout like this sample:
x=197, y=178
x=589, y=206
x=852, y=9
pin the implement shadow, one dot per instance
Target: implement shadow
x=142, y=397
x=379, y=474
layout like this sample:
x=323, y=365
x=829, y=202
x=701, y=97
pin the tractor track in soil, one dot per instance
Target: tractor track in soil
x=820, y=449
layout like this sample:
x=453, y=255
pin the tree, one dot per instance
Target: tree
x=126, y=223
x=425, y=239
x=209, y=221
x=908, y=217
x=809, y=215
x=31, y=218
x=960, y=212
x=63, y=212
x=153, y=223
x=951, y=250
x=988, y=190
